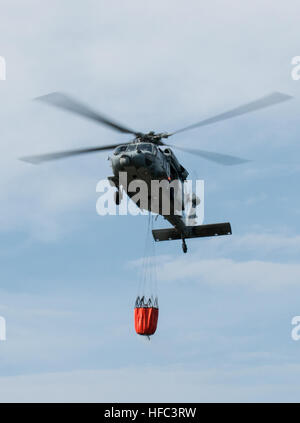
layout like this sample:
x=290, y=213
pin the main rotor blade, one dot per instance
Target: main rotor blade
x=223, y=159
x=66, y=102
x=64, y=154
x=262, y=103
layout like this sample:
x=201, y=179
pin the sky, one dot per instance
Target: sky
x=69, y=277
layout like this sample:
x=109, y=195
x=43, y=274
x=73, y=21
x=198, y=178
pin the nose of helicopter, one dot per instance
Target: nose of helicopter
x=124, y=161
x=129, y=160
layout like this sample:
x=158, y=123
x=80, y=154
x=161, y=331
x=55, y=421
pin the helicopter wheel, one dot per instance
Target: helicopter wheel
x=184, y=246
x=117, y=198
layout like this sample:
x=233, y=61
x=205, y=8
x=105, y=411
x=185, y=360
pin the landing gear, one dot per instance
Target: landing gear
x=184, y=246
x=118, y=197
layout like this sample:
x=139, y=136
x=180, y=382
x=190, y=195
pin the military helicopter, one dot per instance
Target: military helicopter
x=148, y=157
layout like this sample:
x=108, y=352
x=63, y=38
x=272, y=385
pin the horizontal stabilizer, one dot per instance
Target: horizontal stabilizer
x=192, y=232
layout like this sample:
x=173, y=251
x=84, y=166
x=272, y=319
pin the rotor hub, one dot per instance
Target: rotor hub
x=152, y=137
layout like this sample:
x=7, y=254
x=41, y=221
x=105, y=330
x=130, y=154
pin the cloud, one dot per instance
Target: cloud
x=222, y=264
x=253, y=274
x=172, y=384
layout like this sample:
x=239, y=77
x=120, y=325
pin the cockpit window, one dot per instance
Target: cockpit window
x=145, y=147
x=131, y=147
x=141, y=146
x=119, y=150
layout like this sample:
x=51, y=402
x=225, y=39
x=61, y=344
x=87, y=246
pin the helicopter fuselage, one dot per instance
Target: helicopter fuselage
x=147, y=162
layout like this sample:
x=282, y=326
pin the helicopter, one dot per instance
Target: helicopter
x=149, y=157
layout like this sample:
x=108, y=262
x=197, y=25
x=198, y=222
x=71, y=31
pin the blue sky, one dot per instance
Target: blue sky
x=68, y=277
